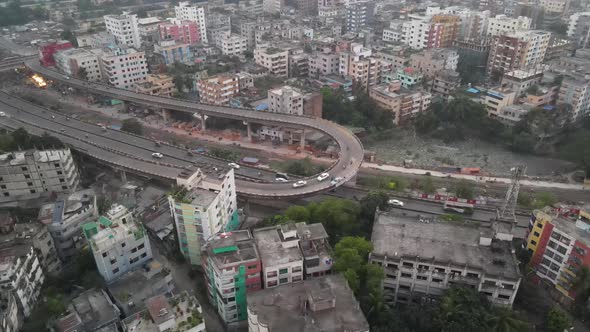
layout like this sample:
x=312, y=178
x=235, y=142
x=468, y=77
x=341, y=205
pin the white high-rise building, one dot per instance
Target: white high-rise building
x=502, y=24
x=184, y=11
x=272, y=6
x=125, y=28
x=118, y=243
x=73, y=60
x=287, y=100
x=21, y=273
x=123, y=67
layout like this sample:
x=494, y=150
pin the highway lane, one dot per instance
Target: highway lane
x=351, y=150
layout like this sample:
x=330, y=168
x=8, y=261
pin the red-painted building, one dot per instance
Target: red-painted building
x=232, y=270
x=48, y=50
x=560, y=246
x=182, y=31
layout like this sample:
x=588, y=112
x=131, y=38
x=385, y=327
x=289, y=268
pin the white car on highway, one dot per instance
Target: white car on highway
x=234, y=165
x=323, y=176
x=299, y=183
x=157, y=155
x=2, y=114
x=336, y=180
x=395, y=202
x=281, y=180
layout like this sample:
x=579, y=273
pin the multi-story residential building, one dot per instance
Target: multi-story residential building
x=364, y=69
x=185, y=11
x=502, y=24
x=30, y=233
x=119, y=243
x=519, y=80
x=161, y=315
x=9, y=313
x=307, y=7
x=323, y=63
x=79, y=63
x=431, y=62
x=91, y=311
x=445, y=82
x=315, y=249
x=281, y=259
x=579, y=29
x=419, y=33
x=408, y=77
x=298, y=63
x=159, y=85
x=248, y=30
x=316, y=305
x=200, y=213
x=450, y=25
x=149, y=29
x=124, y=28
x=560, y=247
x=495, y=100
x=393, y=34
x=64, y=219
x=286, y=99
x=123, y=67
x=404, y=104
x=272, y=6
x=37, y=173
x=182, y=31
x=218, y=90
x=22, y=274
x=173, y=52
x=95, y=40
x=359, y=15
x=422, y=260
x=524, y=50
x=48, y=50
x=554, y=6
x=273, y=59
x=233, y=45
x=575, y=91
x=232, y=268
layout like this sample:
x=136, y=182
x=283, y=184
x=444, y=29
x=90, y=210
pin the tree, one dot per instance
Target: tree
x=178, y=83
x=557, y=320
x=463, y=189
x=132, y=126
x=82, y=73
x=298, y=213
x=370, y=203
x=581, y=287
x=427, y=186
x=69, y=36
x=544, y=199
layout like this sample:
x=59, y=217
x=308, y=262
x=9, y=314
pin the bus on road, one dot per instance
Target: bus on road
x=458, y=207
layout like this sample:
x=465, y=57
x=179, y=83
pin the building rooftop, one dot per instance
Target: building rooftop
x=229, y=249
x=201, y=197
x=91, y=310
x=578, y=229
x=39, y=156
x=331, y=306
x=311, y=231
x=445, y=243
x=274, y=248
x=159, y=309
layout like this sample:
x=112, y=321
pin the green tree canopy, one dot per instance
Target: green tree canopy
x=132, y=126
x=557, y=320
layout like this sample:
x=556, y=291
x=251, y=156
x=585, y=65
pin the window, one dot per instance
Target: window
x=283, y=271
x=296, y=278
x=33, y=191
x=539, y=225
x=64, y=187
x=3, y=186
x=422, y=277
x=404, y=287
x=536, y=234
x=133, y=260
x=61, y=180
x=56, y=164
x=271, y=283
x=113, y=261
x=406, y=275
x=29, y=183
x=533, y=242
x=271, y=274
x=115, y=271
x=104, y=254
x=133, y=250
x=251, y=267
x=23, y=168
x=284, y=280
x=143, y=255
x=123, y=245
x=141, y=246
x=59, y=172
x=27, y=176
x=296, y=269
x=408, y=264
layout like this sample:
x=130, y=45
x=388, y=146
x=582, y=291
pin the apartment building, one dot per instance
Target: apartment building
x=323, y=63
x=173, y=52
x=37, y=173
x=95, y=40
x=579, y=29
x=359, y=15
x=403, y=103
x=495, y=100
x=185, y=11
x=22, y=274
x=149, y=29
x=9, y=315
x=362, y=67
x=233, y=45
x=555, y=6
x=421, y=260
x=182, y=31
x=79, y=63
x=32, y=234
x=272, y=6
x=119, y=243
x=393, y=33
x=445, y=83
x=64, y=219
x=524, y=50
x=472, y=23
x=286, y=99
x=502, y=24
x=560, y=247
x=201, y=210
x=92, y=310
x=123, y=67
x=273, y=59
x=575, y=91
x=315, y=249
x=322, y=304
x=158, y=85
x=408, y=77
x=218, y=90
x=415, y=33
x=124, y=28
x=519, y=80
x=278, y=247
x=450, y=25
x=232, y=272
x=431, y=62
x=298, y=63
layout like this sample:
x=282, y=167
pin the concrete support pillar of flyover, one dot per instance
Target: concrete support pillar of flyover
x=203, y=125
x=303, y=139
x=123, y=176
x=290, y=137
x=166, y=115
x=249, y=129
